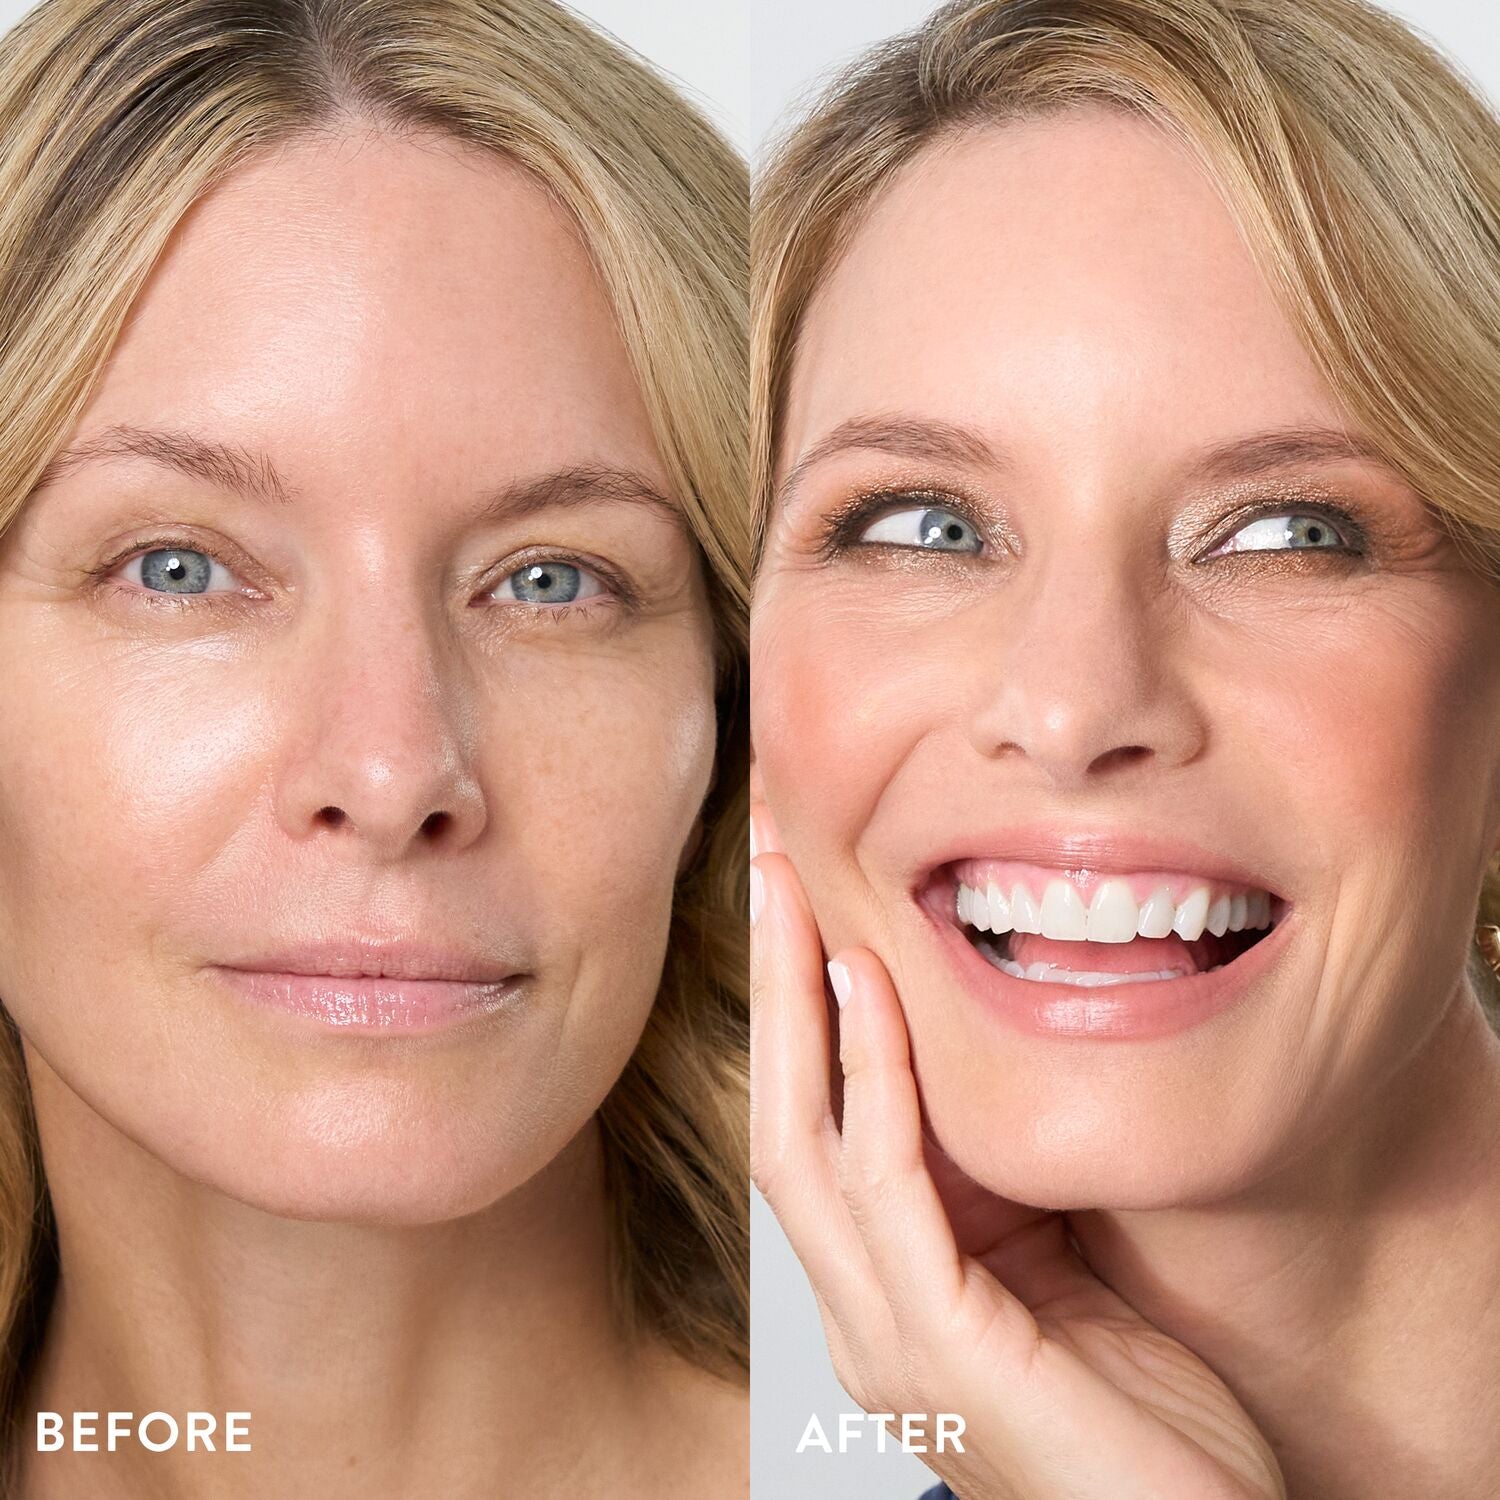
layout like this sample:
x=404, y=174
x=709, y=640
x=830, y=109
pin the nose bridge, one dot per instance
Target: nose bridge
x=382, y=745
x=1086, y=679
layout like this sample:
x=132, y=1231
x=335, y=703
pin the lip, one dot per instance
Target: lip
x=1094, y=848
x=1142, y=1011
x=1112, y=1013
x=373, y=986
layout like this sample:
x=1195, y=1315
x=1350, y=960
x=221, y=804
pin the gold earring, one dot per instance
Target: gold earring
x=1488, y=938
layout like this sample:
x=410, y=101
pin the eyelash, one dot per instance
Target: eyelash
x=1342, y=520
x=840, y=529
x=616, y=589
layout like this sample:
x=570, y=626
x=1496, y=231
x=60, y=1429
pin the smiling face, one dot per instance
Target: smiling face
x=354, y=614
x=1084, y=622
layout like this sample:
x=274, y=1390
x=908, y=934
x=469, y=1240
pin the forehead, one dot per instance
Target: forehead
x=1039, y=279
x=383, y=291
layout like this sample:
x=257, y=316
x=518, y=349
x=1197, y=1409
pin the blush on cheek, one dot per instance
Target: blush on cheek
x=835, y=717
x=1373, y=730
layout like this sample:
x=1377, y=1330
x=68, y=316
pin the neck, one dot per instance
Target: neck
x=373, y=1359
x=1353, y=1303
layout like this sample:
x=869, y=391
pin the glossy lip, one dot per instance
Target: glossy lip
x=373, y=986
x=1065, y=849
x=1116, y=1012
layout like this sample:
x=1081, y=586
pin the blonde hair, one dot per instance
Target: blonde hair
x=1364, y=172
x=116, y=115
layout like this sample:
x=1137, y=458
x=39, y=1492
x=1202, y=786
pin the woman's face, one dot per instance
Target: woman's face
x=355, y=616
x=1073, y=584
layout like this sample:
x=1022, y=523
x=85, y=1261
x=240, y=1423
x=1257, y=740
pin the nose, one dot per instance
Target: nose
x=381, y=749
x=1089, y=682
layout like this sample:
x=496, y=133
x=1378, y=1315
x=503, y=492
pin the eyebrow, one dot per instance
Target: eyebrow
x=227, y=466
x=230, y=466
x=965, y=447
x=905, y=437
x=1283, y=448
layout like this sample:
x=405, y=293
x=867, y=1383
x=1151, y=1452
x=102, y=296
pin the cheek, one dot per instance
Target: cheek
x=121, y=776
x=840, y=702
x=130, y=777
x=1378, y=727
x=602, y=787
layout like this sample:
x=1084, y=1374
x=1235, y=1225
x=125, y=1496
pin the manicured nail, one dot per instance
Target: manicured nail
x=842, y=981
x=757, y=895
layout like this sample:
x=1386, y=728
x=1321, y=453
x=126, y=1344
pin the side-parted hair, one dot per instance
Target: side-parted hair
x=1362, y=169
x=115, y=117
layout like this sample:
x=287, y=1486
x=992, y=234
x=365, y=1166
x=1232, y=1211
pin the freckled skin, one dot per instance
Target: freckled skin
x=404, y=327
x=1076, y=291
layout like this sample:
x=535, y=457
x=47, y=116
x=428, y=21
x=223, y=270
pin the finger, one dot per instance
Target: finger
x=764, y=838
x=883, y=1170
x=1027, y=1249
x=794, y=1141
x=1038, y=1263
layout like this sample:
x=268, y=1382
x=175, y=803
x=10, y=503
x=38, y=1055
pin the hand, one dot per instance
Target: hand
x=955, y=1300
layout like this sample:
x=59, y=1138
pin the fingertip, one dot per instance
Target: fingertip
x=763, y=836
x=841, y=980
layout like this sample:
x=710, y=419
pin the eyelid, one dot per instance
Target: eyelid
x=142, y=547
x=588, y=572
x=1348, y=526
x=610, y=581
x=839, y=529
x=614, y=585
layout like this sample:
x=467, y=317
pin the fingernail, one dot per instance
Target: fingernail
x=842, y=981
x=757, y=895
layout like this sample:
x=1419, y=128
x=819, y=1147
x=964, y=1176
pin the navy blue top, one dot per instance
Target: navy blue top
x=938, y=1492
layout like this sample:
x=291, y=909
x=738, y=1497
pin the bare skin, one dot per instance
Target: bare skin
x=389, y=1248
x=1220, y=1261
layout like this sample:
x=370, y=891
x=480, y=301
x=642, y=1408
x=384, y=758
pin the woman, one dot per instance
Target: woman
x=372, y=624
x=1126, y=714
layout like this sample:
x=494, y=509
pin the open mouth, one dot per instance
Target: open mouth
x=1090, y=929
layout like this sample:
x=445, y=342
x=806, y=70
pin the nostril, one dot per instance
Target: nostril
x=1121, y=755
x=435, y=823
x=333, y=816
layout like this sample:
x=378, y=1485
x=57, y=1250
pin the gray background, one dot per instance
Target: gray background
x=794, y=45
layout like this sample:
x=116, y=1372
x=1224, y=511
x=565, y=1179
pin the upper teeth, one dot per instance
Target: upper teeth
x=1113, y=915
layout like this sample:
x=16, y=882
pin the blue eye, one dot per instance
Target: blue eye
x=1293, y=531
x=932, y=528
x=550, y=582
x=177, y=570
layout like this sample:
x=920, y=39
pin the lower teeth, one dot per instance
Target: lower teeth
x=1083, y=979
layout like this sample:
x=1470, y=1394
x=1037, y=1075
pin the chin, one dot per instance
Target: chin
x=369, y=1161
x=1074, y=1155
x=384, y=1189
